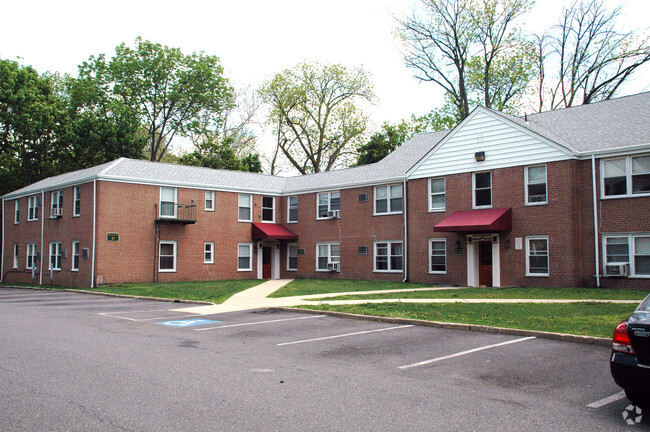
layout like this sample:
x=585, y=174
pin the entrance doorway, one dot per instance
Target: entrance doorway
x=266, y=262
x=485, y=263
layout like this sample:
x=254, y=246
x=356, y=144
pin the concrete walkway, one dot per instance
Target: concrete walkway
x=257, y=297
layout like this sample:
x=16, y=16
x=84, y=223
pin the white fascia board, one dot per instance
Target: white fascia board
x=215, y=188
x=618, y=151
x=343, y=186
x=57, y=186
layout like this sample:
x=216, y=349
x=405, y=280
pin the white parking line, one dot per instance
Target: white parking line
x=113, y=315
x=343, y=335
x=259, y=322
x=608, y=400
x=426, y=362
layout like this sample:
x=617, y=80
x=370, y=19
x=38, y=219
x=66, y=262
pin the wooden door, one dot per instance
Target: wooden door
x=266, y=263
x=485, y=264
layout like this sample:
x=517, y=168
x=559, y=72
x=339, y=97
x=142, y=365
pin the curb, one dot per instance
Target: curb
x=591, y=340
x=111, y=294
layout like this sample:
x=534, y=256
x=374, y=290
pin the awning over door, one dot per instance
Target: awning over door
x=272, y=231
x=483, y=220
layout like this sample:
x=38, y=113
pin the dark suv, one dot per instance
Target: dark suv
x=630, y=361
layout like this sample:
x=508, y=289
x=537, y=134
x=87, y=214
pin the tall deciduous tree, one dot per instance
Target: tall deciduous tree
x=169, y=90
x=315, y=108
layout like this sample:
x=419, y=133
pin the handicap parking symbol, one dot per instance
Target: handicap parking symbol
x=187, y=323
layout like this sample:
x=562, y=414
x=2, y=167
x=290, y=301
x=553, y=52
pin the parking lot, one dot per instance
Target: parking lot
x=71, y=361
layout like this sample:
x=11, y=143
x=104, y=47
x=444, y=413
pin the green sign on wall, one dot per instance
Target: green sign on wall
x=112, y=236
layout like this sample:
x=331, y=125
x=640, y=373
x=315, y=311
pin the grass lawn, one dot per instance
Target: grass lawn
x=508, y=293
x=212, y=291
x=326, y=286
x=587, y=319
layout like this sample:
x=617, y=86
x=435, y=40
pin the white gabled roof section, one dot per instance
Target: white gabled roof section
x=505, y=143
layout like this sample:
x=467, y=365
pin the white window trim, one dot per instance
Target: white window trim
x=289, y=246
x=628, y=178
x=289, y=209
x=437, y=240
x=16, y=211
x=57, y=247
x=526, y=186
x=76, y=196
x=211, y=199
x=175, y=215
x=474, y=190
x=174, y=243
x=388, y=198
x=329, y=203
x=630, y=249
x=15, y=261
x=444, y=193
x=548, y=256
x=205, y=250
x=32, y=204
x=250, y=207
x=250, y=255
x=27, y=255
x=56, y=197
x=374, y=257
x=72, y=267
x=329, y=255
x=272, y=208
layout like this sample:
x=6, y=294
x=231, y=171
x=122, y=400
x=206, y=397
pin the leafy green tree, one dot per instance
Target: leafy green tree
x=315, y=110
x=221, y=155
x=32, y=117
x=383, y=143
x=170, y=91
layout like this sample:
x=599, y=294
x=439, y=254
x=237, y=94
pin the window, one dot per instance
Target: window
x=55, y=256
x=15, y=256
x=437, y=256
x=537, y=256
x=626, y=176
x=326, y=254
x=483, y=189
x=75, y=255
x=33, y=203
x=328, y=201
x=168, y=202
x=32, y=256
x=268, y=206
x=167, y=256
x=56, y=205
x=388, y=199
x=208, y=253
x=388, y=256
x=76, y=210
x=245, y=204
x=244, y=257
x=16, y=211
x=437, y=194
x=292, y=257
x=293, y=209
x=618, y=251
x=209, y=200
x=536, y=185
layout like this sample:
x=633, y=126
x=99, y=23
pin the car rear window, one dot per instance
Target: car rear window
x=645, y=305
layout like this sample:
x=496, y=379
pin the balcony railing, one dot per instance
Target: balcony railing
x=176, y=213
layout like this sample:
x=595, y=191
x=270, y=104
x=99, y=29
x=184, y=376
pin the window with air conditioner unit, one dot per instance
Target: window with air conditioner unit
x=334, y=266
x=328, y=257
x=329, y=205
x=536, y=190
x=626, y=255
x=334, y=214
x=56, y=209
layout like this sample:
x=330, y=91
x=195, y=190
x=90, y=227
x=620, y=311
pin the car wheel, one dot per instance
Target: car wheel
x=639, y=399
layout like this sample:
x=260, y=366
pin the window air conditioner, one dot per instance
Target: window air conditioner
x=56, y=212
x=85, y=252
x=64, y=253
x=617, y=269
x=537, y=198
x=334, y=214
x=334, y=266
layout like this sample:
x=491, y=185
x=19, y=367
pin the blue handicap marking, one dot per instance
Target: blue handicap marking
x=187, y=323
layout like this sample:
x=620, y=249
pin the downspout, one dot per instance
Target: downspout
x=92, y=263
x=2, y=253
x=406, y=238
x=597, y=252
x=40, y=270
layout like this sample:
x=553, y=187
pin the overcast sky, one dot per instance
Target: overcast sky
x=253, y=38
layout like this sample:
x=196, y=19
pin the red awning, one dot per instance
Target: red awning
x=484, y=220
x=272, y=231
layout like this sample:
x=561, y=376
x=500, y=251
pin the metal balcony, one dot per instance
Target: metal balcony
x=176, y=213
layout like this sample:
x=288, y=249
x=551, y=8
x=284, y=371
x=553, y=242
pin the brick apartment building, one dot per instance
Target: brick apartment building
x=560, y=198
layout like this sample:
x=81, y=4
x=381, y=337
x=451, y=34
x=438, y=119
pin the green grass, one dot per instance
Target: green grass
x=326, y=286
x=509, y=293
x=587, y=319
x=212, y=291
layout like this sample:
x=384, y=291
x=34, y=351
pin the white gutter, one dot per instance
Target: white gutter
x=2, y=253
x=597, y=252
x=40, y=277
x=92, y=263
x=406, y=237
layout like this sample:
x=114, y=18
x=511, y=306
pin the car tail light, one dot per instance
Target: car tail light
x=621, y=340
